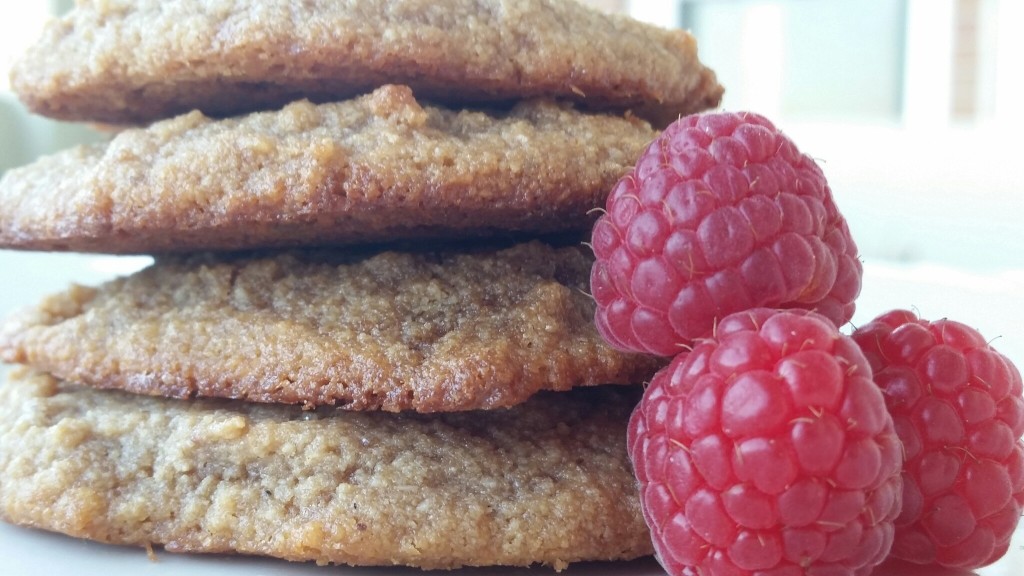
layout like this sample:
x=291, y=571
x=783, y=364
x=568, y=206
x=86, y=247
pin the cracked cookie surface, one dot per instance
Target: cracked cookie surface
x=121, y=61
x=428, y=331
x=381, y=167
x=546, y=482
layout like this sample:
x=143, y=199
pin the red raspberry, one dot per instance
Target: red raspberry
x=957, y=407
x=721, y=213
x=767, y=450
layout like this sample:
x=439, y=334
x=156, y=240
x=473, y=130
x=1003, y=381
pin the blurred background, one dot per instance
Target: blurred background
x=911, y=107
x=24, y=277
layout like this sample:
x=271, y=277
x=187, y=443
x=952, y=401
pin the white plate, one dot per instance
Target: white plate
x=25, y=552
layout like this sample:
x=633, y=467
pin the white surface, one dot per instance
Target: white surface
x=25, y=552
x=28, y=552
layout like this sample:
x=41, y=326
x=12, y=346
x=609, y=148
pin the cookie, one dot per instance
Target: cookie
x=378, y=168
x=427, y=331
x=546, y=482
x=121, y=61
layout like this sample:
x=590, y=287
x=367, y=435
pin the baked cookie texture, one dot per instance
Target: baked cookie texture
x=134, y=61
x=381, y=167
x=547, y=482
x=427, y=331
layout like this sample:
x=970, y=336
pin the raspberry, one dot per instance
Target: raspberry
x=721, y=213
x=767, y=449
x=957, y=407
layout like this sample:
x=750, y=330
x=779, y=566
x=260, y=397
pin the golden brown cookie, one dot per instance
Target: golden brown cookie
x=546, y=482
x=122, y=61
x=427, y=331
x=378, y=168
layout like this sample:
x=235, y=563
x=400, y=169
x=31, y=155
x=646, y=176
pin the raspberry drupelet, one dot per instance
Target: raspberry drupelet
x=721, y=213
x=957, y=407
x=767, y=450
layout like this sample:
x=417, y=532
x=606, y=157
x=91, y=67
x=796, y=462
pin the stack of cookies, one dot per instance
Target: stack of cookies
x=366, y=337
